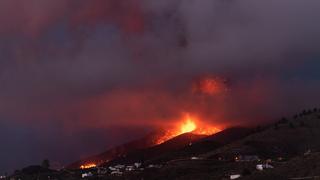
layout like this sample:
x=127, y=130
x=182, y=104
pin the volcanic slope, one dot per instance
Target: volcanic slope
x=148, y=154
x=292, y=146
x=191, y=148
x=118, y=151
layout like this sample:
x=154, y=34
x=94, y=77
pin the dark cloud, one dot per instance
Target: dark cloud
x=92, y=65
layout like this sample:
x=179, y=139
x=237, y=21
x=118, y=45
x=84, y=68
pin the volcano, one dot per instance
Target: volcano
x=148, y=144
x=119, y=151
x=148, y=149
x=183, y=146
x=183, y=133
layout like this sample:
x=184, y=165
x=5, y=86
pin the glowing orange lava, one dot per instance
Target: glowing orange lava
x=189, y=124
x=88, y=166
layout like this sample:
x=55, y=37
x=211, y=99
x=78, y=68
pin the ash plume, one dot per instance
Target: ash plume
x=99, y=64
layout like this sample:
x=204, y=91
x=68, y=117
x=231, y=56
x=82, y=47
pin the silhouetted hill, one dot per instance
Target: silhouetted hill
x=203, y=145
x=292, y=145
x=286, y=138
x=145, y=155
x=183, y=146
x=119, y=151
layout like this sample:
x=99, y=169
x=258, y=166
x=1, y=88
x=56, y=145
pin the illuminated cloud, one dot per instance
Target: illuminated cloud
x=135, y=64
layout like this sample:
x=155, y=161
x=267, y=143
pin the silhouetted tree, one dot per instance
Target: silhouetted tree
x=283, y=120
x=45, y=164
x=291, y=125
x=276, y=126
x=304, y=112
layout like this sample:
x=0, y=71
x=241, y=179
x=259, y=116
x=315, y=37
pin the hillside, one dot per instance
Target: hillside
x=202, y=145
x=305, y=166
x=118, y=151
x=286, y=138
x=148, y=154
x=292, y=145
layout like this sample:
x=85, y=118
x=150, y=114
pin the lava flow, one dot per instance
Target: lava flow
x=188, y=125
x=88, y=166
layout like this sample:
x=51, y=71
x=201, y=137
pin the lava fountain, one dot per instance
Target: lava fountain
x=188, y=125
x=88, y=166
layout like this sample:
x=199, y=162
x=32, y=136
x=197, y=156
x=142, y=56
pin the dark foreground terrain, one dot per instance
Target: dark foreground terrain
x=287, y=149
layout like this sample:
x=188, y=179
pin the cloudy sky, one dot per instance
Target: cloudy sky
x=77, y=76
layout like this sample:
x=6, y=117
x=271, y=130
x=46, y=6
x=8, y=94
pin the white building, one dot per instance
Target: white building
x=130, y=168
x=261, y=167
x=116, y=173
x=235, y=176
x=84, y=175
x=119, y=166
x=194, y=158
x=137, y=165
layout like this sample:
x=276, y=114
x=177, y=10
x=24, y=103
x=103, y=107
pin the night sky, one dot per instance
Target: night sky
x=79, y=76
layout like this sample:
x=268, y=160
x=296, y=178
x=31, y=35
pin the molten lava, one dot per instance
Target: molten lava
x=188, y=125
x=88, y=166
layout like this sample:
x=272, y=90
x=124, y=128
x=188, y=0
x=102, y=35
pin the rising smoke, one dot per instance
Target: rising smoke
x=110, y=63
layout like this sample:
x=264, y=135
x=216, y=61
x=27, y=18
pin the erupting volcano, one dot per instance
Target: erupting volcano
x=188, y=125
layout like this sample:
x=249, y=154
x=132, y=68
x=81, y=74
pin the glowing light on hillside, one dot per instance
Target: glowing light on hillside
x=88, y=166
x=188, y=125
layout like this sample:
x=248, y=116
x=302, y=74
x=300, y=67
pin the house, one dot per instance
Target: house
x=268, y=166
x=261, y=167
x=235, y=176
x=116, y=173
x=137, y=165
x=151, y=166
x=194, y=158
x=130, y=168
x=154, y=166
x=119, y=166
x=84, y=175
x=102, y=171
